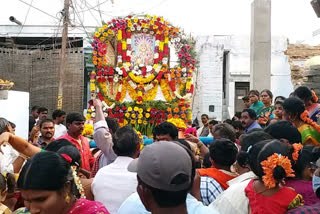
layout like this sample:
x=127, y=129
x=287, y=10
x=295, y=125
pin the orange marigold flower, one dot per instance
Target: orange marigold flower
x=296, y=147
x=169, y=116
x=314, y=95
x=183, y=115
x=176, y=109
x=178, y=74
x=183, y=108
x=173, y=75
x=270, y=164
x=169, y=109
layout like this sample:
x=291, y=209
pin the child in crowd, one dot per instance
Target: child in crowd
x=303, y=158
x=7, y=182
x=267, y=193
x=278, y=108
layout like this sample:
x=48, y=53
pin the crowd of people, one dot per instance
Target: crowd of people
x=266, y=159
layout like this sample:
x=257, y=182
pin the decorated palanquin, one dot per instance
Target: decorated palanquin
x=143, y=72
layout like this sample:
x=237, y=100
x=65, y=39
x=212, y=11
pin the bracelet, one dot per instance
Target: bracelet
x=199, y=144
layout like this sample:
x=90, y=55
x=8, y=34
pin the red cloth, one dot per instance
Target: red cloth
x=87, y=160
x=277, y=203
x=221, y=177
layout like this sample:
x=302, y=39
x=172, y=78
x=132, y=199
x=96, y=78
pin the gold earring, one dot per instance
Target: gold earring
x=67, y=199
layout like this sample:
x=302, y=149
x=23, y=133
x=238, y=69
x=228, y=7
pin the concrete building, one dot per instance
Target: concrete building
x=223, y=77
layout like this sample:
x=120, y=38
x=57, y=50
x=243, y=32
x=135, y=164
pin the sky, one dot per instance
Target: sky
x=294, y=19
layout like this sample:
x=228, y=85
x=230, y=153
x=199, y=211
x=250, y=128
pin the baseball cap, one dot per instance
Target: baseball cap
x=159, y=164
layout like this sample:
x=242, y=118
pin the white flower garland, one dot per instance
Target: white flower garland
x=77, y=181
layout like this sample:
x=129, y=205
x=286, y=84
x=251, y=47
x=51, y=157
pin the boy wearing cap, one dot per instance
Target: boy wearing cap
x=165, y=172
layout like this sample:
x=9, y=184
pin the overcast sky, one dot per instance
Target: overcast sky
x=294, y=19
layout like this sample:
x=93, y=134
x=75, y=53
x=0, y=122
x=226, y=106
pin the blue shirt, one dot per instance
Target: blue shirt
x=254, y=125
x=133, y=205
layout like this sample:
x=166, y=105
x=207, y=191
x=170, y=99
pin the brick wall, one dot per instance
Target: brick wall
x=37, y=72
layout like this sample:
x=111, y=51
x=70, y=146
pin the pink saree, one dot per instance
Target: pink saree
x=84, y=206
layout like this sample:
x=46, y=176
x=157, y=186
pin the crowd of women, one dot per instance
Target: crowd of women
x=272, y=167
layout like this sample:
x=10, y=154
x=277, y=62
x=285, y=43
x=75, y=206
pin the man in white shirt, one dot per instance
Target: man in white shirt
x=204, y=131
x=113, y=183
x=59, y=117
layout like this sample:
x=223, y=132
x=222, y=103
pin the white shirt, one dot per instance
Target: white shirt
x=133, y=205
x=8, y=158
x=59, y=130
x=113, y=184
x=234, y=199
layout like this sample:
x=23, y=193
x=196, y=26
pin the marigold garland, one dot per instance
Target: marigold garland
x=141, y=80
x=165, y=90
x=149, y=96
x=305, y=118
x=296, y=147
x=179, y=123
x=315, y=97
x=270, y=164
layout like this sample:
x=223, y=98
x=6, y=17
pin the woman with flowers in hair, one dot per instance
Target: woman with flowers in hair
x=303, y=166
x=295, y=112
x=267, y=194
x=310, y=100
x=49, y=184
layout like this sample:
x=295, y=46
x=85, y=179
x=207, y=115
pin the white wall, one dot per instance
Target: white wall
x=209, y=89
x=16, y=110
x=280, y=69
x=209, y=81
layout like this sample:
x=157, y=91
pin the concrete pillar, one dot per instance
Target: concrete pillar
x=260, y=45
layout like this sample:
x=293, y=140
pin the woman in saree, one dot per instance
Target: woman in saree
x=49, y=184
x=265, y=112
x=295, y=112
x=310, y=100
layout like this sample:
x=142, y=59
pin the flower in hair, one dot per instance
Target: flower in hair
x=270, y=164
x=67, y=158
x=315, y=97
x=77, y=181
x=305, y=118
x=296, y=147
x=304, y=115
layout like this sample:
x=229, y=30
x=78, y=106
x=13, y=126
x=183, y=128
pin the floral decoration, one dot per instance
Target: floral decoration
x=140, y=79
x=296, y=149
x=270, y=164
